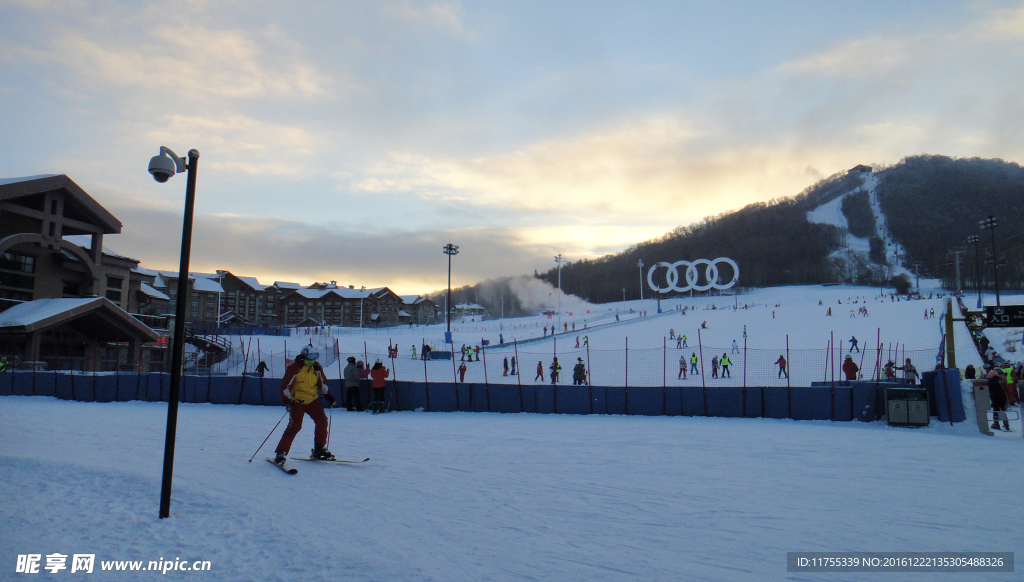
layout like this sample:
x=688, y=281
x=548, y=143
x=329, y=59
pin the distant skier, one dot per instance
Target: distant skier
x=682, y=367
x=586, y=339
x=554, y=368
x=725, y=361
x=261, y=368
x=781, y=362
x=684, y=343
x=714, y=367
x=513, y=372
x=735, y=347
x=671, y=333
x=540, y=372
x=378, y=373
x=303, y=381
x=462, y=372
x=414, y=352
x=829, y=311
x=679, y=342
x=853, y=344
x=350, y=379
x=579, y=373
x=577, y=341
x=910, y=374
x=693, y=364
x=850, y=368
x=505, y=367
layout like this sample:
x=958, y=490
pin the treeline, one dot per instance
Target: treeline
x=933, y=203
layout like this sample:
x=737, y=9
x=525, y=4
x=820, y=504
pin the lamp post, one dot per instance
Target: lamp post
x=449, y=249
x=991, y=223
x=558, y=261
x=640, y=264
x=162, y=167
x=977, y=265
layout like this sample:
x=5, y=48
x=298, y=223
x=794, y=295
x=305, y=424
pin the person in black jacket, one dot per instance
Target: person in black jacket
x=353, y=400
x=997, y=393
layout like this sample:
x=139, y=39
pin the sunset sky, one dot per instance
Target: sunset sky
x=350, y=141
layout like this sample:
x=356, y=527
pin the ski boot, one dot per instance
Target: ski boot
x=321, y=454
x=279, y=459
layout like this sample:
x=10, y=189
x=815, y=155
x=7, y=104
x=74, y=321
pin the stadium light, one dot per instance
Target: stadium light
x=449, y=249
x=991, y=223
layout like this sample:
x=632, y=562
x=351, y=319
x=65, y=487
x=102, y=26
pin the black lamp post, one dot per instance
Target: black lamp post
x=163, y=167
x=449, y=249
x=991, y=223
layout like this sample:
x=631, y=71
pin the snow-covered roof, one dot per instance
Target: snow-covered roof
x=403, y=314
x=252, y=282
x=25, y=179
x=286, y=285
x=31, y=312
x=410, y=299
x=208, y=285
x=469, y=306
x=85, y=241
x=150, y=291
x=343, y=292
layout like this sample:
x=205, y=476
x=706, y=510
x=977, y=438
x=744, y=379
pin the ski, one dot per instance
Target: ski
x=289, y=471
x=329, y=460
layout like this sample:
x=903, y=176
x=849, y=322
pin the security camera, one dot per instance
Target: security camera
x=165, y=165
x=162, y=168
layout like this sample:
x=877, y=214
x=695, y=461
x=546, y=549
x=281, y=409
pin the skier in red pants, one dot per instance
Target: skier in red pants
x=303, y=381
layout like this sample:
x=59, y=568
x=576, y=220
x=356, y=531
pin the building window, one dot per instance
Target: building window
x=18, y=262
x=71, y=288
x=114, y=296
x=17, y=281
x=114, y=282
x=15, y=295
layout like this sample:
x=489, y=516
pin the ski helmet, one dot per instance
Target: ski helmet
x=310, y=353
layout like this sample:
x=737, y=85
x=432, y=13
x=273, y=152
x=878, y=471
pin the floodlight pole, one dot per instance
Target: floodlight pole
x=977, y=265
x=991, y=223
x=179, y=335
x=558, y=261
x=640, y=264
x=449, y=249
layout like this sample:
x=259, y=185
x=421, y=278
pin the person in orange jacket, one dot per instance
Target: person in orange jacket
x=301, y=386
x=377, y=375
x=462, y=372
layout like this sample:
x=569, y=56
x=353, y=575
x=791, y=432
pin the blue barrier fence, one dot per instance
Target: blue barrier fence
x=862, y=401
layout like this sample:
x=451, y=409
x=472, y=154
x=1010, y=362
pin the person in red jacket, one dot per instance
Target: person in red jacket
x=377, y=375
x=462, y=372
x=850, y=368
x=301, y=386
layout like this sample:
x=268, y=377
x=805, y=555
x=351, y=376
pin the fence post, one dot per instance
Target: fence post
x=519, y=375
x=627, y=368
x=744, y=370
x=700, y=348
x=789, y=385
x=590, y=382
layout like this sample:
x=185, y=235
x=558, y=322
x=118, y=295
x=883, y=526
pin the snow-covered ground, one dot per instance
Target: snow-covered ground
x=476, y=496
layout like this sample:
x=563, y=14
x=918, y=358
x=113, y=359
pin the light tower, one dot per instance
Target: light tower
x=558, y=261
x=977, y=264
x=640, y=264
x=991, y=223
x=449, y=249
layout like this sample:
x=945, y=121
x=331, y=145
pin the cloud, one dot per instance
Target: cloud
x=274, y=249
x=162, y=51
x=446, y=16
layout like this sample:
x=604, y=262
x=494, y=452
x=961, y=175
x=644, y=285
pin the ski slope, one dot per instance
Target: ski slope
x=476, y=496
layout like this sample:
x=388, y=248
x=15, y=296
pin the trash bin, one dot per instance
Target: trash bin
x=907, y=407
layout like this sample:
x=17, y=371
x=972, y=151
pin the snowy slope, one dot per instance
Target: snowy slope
x=466, y=497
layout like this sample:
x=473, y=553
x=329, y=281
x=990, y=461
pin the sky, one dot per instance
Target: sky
x=351, y=141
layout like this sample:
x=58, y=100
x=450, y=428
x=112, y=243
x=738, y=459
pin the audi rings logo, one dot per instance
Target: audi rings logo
x=692, y=276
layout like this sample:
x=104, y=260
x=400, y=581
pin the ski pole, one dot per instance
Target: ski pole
x=268, y=436
x=330, y=418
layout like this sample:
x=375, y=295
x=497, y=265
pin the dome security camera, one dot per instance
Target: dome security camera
x=162, y=168
x=166, y=165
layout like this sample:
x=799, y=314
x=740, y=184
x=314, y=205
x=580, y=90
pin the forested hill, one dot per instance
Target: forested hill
x=931, y=204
